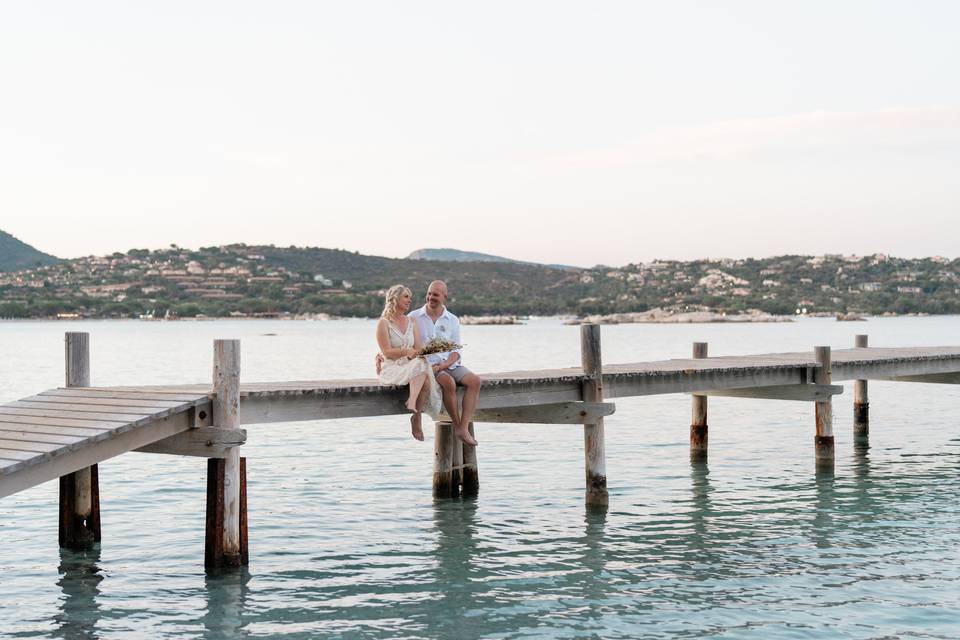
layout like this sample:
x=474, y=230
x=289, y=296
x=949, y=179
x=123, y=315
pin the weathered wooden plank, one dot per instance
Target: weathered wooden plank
x=802, y=392
x=557, y=413
x=98, y=392
x=34, y=436
x=34, y=422
x=27, y=473
x=16, y=454
x=28, y=445
x=930, y=378
x=873, y=363
x=123, y=403
x=205, y=442
x=290, y=407
x=172, y=390
x=619, y=384
x=81, y=407
x=123, y=418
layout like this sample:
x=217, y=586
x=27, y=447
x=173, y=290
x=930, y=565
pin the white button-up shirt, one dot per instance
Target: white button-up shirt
x=447, y=327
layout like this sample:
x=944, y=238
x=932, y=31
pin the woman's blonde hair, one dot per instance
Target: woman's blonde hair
x=393, y=295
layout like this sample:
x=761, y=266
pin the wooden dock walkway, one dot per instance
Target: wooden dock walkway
x=61, y=432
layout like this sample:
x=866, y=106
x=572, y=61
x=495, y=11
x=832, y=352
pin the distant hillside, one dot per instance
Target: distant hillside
x=268, y=281
x=456, y=255
x=16, y=255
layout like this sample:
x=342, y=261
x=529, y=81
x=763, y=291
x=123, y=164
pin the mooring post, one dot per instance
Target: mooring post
x=861, y=404
x=446, y=479
x=470, y=477
x=226, y=539
x=595, y=456
x=79, y=491
x=823, y=441
x=698, y=412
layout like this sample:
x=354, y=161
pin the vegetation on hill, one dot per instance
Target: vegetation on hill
x=242, y=280
x=15, y=255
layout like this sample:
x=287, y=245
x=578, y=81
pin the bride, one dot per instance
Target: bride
x=399, y=342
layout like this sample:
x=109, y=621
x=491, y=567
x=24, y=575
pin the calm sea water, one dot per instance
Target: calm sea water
x=346, y=541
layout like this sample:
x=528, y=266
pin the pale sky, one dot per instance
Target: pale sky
x=561, y=132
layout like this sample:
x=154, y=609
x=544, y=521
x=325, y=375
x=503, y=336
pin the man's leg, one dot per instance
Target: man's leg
x=448, y=388
x=471, y=384
x=471, y=393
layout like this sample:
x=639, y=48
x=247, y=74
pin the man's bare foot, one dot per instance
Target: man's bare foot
x=464, y=434
x=415, y=428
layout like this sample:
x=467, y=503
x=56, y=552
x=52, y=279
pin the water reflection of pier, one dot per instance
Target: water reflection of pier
x=80, y=578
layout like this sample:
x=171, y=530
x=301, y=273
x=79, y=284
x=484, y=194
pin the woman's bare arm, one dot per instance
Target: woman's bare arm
x=383, y=341
x=417, y=342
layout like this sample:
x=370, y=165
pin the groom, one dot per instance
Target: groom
x=435, y=320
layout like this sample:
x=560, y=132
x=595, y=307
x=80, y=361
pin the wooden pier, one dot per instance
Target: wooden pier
x=65, y=432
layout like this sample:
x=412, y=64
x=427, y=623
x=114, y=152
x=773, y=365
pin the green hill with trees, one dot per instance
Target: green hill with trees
x=15, y=255
x=269, y=281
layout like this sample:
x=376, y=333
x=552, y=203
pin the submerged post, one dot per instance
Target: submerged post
x=698, y=412
x=79, y=491
x=823, y=441
x=226, y=538
x=594, y=452
x=861, y=404
x=446, y=446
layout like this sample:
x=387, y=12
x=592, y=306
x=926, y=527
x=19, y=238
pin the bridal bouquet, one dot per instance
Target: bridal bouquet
x=438, y=345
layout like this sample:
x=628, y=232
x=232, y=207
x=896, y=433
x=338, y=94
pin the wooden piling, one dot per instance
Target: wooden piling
x=446, y=477
x=594, y=452
x=470, y=476
x=213, y=554
x=79, y=491
x=698, y=412
x=823, y=441
x=226, y=543
x=861, y=403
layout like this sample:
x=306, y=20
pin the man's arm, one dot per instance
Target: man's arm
x=446, y=364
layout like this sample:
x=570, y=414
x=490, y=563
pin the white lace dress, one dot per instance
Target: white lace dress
x=400, y=371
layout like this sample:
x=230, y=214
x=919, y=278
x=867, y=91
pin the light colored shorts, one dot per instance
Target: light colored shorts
x=456, y=373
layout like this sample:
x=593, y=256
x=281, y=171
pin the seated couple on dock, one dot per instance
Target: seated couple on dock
x=422, y=348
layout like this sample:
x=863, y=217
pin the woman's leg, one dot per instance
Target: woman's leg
x=416, y=384
x=415, y=426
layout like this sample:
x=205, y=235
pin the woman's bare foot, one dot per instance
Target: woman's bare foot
x=411, y=405
x=415, y=428
x=464, y=434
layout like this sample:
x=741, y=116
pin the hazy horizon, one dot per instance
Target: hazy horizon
x=549, y=132
x=599, y=264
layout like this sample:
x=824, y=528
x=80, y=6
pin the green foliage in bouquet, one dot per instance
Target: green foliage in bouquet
x=438, y=345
